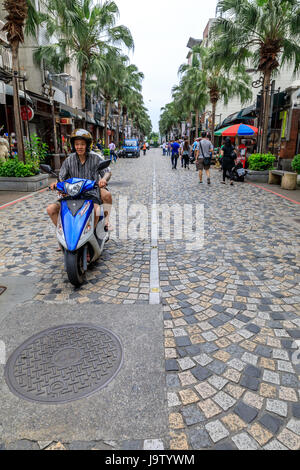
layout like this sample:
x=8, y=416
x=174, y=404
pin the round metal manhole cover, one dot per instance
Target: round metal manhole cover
x=64, y=364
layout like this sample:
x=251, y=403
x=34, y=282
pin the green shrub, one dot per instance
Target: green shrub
x=35, y=152
x=296, y=164
x=106, y=152
x=15, y=168
x=261, y=161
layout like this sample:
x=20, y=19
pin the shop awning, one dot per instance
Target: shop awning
x=10, y=91
x=247, y=113
x=66, y=111
x=90, y=120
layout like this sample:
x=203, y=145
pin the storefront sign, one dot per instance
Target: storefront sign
x=284, y=125
x=27, y=113
x=66, y=121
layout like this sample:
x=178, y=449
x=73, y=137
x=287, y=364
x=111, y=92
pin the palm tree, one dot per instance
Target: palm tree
x=86, y=37
x=219, y=83
x=265, y=32
x=15, y=22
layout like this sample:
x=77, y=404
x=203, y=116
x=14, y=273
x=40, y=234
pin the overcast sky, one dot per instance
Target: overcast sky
x=161, y=30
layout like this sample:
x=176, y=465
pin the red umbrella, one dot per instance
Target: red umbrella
x=242, y=130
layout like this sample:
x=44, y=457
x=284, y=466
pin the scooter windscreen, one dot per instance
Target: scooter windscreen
x=75, y=186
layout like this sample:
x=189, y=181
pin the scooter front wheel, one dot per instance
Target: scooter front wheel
x=74, y=267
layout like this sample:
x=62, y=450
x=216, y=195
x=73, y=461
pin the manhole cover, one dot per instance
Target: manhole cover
x=2, y=289
x=64, y=364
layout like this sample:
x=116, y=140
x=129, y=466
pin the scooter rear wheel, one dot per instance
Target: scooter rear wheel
x=74, y=267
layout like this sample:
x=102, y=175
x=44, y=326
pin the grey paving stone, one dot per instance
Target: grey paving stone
x=235, y=350
x=263, y=351
x=280, y=354
x=275, y=445
x=253, y=328
x=172, y=380
x=225, y=446
x=278, y=407
x=193, y=350
x=23, y=444
x=224, y=400
x=199, y=438
x=285, y=366
x=216, y=431
x=296, y=410
x=183, y=341
x=252, y=383
x=294, y=333
x=83, y=445
x=218, y=382
x=132, y=445
x=250, y=358
x=244, y=442
x=253, y=371
x=203, y=359
x=209, y=348
x=277, y=316
x=287, y=343
x=271, y=423
x=294, y=425
x=201, y=373
x=186, y=363
x=289, y=380
x=171, y=365
x=245, y=412
x=217, y=367
x=271, y=377
x=191, y=320
x=192, y=415
x=188, y=311
x=215, y=322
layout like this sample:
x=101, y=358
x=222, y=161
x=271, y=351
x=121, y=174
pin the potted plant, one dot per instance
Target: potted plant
x=259, y=166
x=18, y=176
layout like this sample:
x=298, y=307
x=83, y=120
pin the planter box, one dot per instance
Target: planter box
x=28, y=184
x=257, y=176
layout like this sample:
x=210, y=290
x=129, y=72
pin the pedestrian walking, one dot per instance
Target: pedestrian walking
x=112, y=149
x=164, y=148
x=175, y=154
x=186, y=154
x=203, y=157
x=181, y=152
x=229, y=155
x=169, y=149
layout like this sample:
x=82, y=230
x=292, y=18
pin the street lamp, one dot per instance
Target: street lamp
x=50, y=93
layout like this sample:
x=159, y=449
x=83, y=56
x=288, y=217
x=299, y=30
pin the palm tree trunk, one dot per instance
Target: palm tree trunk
x=266, y=110
x=16, y=101
x=213, y=120
x=197, y=124
x=107, y=103
x=83, y=92
x=118, y=125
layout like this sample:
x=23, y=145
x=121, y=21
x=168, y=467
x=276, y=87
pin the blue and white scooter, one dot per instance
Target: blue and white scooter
x=75, y=227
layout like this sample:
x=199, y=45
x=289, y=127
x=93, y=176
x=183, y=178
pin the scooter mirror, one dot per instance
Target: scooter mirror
x=104, y=164
x=47, y=169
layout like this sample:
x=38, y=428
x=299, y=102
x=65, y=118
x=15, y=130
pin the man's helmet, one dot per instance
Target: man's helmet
x=83, y=135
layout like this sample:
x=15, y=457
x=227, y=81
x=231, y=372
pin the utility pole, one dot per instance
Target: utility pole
x=51, y=98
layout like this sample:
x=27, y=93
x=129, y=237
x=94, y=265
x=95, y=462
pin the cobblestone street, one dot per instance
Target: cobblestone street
x=231, y=309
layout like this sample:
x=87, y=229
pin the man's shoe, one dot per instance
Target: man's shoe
x=200, y=182
x=208, y=181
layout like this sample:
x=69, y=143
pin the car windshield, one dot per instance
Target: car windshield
x=130, y=143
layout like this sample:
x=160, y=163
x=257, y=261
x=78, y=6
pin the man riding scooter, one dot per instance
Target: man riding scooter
x=84, y=163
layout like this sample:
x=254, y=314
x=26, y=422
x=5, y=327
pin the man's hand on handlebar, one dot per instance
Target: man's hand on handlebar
x=102, y=183
x=53, y=186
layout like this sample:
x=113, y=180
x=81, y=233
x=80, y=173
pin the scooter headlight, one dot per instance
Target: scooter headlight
x=74, y=189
